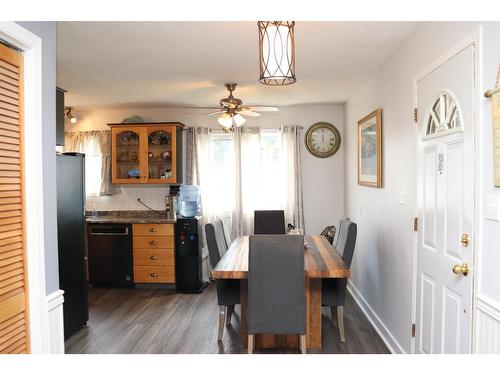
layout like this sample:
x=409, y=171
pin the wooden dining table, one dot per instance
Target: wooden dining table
x=321, y=260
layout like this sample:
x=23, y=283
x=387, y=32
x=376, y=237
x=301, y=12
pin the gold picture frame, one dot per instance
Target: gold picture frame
x=370, y=150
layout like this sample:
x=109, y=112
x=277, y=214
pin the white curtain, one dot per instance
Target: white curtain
x=260, y=169
x=96, y=145
x=247, y=179
x=202, y=175
x=292, y=202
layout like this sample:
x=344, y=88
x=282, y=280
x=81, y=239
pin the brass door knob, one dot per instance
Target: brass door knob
x=460, y=269
x=153, y=257
x=154, y=274
x=152, y=230
x=465, y=240
x=153, y=243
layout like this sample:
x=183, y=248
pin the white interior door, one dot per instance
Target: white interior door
x=445, y=99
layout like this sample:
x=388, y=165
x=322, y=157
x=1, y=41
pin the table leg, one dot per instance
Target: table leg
x=313, y=313
x=243, y=312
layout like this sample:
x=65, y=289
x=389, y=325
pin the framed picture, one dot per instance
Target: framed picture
x=370, y=150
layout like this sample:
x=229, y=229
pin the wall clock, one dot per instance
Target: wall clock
x=322, y=139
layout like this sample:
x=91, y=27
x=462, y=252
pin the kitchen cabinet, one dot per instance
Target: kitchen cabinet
x=146, y=153
x=154, y=257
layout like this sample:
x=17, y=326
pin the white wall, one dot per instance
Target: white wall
x=487, y=325
x=382, y=265
x=47, y=32
x=322, y=178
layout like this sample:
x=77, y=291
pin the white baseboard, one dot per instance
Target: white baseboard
x=487, y=332
x=389, y=340
x=56, y=322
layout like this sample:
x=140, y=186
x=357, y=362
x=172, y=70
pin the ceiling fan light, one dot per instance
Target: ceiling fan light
x=277, y=52
x=225, y=120
x=239, y=120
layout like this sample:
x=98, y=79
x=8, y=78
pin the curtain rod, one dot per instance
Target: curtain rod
x=220, y=128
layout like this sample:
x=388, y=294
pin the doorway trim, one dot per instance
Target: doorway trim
x=473, y=39
x=31, y=45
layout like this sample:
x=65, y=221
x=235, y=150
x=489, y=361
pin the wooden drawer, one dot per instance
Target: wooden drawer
x=154, y=274
x=153, y=242
x=153, y=229
x=152, y=257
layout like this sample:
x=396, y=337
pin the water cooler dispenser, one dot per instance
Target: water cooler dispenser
x=188, y=268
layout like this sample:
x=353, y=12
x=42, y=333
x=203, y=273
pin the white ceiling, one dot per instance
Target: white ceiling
x=120, y=64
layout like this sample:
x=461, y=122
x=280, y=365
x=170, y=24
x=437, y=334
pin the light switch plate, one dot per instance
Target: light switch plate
x=402, y=197
x=492, y=209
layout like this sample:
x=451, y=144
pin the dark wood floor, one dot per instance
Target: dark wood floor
x=161, y=321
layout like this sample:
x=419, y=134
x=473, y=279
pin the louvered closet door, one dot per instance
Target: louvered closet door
x=13, y=283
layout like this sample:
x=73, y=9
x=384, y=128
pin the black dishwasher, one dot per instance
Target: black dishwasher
x=110, y=254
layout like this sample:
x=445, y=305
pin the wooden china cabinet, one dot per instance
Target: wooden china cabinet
x=146, y=153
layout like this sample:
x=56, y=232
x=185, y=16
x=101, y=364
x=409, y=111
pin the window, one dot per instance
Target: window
x=271, y=171
x=96, y=147
x=267, y=191
x=444, y=115
x=246, y=171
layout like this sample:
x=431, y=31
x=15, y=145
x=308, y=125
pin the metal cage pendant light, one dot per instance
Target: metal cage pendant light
x=277, y=52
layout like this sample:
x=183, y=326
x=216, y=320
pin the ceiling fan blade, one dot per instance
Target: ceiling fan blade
x=263, y=109
x=188, y=107
x=215, y=112
x=249, y=112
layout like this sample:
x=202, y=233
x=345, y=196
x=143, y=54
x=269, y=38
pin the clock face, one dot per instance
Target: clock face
x=323, y=139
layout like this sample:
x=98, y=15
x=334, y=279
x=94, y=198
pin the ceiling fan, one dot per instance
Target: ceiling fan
x=232, y=110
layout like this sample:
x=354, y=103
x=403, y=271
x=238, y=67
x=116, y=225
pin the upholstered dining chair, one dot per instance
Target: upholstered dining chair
x=329, y=233
x=269, y=222
x=276, y=287
x=334, y=290
x=336, y=238
x=228, y=291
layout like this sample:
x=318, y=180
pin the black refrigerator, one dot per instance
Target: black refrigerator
x=71, y=240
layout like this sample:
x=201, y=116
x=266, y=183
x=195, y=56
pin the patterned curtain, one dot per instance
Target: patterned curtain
x=96, y=145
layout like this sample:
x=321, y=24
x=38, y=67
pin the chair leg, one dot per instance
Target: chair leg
x=332, y=311
x=222, y=318
x=303, y=344
x=230, y=310
x=340, y=316
x=250, y=344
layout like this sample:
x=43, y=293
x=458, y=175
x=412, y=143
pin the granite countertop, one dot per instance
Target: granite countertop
x=129, y=217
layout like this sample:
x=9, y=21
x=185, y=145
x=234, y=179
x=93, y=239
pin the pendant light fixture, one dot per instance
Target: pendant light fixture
x=277, y=52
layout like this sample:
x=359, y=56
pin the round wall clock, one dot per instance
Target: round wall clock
x=322, y=139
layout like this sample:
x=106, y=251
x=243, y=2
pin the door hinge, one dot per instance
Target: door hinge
x=415, y=224
x=415, y=114
x=413, y=330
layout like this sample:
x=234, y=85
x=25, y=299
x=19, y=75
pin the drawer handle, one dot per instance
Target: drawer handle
x=153, y=243
x=152, y=230
x=154, y=274
x=153, y=257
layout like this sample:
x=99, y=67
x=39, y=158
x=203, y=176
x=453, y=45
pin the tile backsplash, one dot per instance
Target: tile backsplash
x=153, y=196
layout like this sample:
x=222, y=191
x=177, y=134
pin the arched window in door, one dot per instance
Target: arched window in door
x=445, y=115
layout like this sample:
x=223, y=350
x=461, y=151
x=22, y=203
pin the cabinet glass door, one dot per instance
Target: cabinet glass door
x=161, y=154
x=126, y=155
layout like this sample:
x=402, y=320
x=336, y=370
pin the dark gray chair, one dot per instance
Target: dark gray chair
x=334, y=290
x=276, y=287
x=329, y=233
x=269, y=222
x=228, y=291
